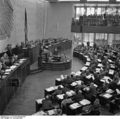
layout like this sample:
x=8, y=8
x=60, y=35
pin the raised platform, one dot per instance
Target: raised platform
x=11, y=80
x=57, y=66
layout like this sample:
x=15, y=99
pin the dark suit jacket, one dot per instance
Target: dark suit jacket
x=78, y=97
x=47, y=104
x=9, y=53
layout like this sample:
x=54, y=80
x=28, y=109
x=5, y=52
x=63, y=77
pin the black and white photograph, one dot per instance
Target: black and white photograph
x=59, y=58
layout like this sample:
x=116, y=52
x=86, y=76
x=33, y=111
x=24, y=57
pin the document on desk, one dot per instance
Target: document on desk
x=89, y=76
x=13, y=67
x=87, y=64
x=109, y=60
x=100, y=65
x=58, y=79
x=78, y=73
x=74, y=106
x=61, y=96
x=111, y=72
x=70, y=93
x=107, y=95
x=85, y=102
x=50, y=89
x=79, y=82
x=39, y=113
x=8, y=70
x=99, y=60
x=112, y=66
x=98, y=70
x=39, y=101
x=110, y=91
x=51, y=112
x=74, y=84
x=84, y=68
x=88, y=59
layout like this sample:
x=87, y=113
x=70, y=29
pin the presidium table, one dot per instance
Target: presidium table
x=11, y=79
x=59, y=63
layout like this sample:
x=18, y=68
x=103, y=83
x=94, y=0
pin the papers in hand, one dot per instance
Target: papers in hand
x=85, y=102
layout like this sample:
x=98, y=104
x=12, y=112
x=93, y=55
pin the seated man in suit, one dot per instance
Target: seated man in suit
x=9, y=50
x=47, y=103
x=95, y=108
x=65, y=102
x=67, y=81
x=89, y=95
x=93, y=90
x=57, y=92
x=78, y=97
x=5, y=60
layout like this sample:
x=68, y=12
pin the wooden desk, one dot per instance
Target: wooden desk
x=32, y=53
x=6, y=88
x=57, y=66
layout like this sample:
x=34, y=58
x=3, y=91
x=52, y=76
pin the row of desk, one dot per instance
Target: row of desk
x=61, y=45
x=11, y=80
x=109, y=96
